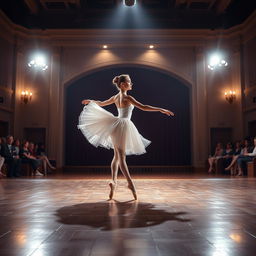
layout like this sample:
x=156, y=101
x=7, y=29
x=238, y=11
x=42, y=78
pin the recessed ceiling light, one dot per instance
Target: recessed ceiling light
x=151, y=46
x=104, y=46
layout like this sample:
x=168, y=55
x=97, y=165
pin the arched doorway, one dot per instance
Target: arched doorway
x=171, y=137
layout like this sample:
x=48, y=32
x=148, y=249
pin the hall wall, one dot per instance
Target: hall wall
x=74, y=54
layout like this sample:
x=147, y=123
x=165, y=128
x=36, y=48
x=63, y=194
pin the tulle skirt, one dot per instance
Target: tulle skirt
x=102, y=128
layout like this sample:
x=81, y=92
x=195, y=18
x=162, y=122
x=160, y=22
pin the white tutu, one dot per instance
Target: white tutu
x=102, y=128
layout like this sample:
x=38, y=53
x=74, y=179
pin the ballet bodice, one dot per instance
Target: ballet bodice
x=125, y=112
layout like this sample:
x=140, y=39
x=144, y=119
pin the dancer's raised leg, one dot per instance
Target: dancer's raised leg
x=124, y=168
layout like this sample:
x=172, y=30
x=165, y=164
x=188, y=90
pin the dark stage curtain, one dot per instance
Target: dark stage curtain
x=171, y=142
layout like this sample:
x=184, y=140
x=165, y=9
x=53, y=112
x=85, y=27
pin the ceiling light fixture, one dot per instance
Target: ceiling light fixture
x=129, y=2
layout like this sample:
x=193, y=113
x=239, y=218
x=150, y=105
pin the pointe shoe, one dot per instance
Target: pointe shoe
x=112, y=190
x=227, y=168
x=132, y=188
x=239, y=174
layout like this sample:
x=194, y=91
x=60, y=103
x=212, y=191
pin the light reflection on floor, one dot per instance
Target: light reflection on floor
x=173, y=216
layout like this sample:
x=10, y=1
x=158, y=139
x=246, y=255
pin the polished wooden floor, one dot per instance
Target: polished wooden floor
x=70, y=215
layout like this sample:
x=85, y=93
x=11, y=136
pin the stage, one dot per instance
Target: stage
x=174, y=215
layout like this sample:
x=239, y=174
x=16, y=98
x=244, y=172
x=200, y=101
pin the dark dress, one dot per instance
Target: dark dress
x=227, y=161
x=237, y=151
x=35, y=163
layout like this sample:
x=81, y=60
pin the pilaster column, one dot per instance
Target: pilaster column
x=199, y=115
x=54, y=129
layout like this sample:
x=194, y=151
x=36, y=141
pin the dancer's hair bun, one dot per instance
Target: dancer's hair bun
x=119, y=79
x=116, y=80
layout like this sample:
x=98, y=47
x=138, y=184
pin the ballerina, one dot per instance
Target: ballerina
x=102, y=128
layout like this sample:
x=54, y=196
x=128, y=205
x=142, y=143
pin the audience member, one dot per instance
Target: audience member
x=247, y=157
x=228, y=154
x=214, y=159
x=233, y=167
x=27, y=157
x=238, y=148
x=16, y=145
x=11, y=159
x=41, y=154
x=1, y=160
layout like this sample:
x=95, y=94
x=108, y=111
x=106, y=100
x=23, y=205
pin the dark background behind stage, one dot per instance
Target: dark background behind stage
x=170, y=136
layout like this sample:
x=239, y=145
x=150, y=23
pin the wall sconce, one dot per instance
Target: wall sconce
x=230, y=96
x=216, y=61
x=26, y=96
x=38, y=62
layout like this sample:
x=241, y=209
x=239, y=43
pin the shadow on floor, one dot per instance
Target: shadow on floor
x=111, y=215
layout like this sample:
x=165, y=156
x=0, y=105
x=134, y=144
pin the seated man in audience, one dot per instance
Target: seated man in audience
x=16, y=145
x=247, y=157
x=11, y=159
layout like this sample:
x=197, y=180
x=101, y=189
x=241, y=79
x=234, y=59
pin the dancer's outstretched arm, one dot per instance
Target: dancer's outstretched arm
x=149, y=108
x=101, y=103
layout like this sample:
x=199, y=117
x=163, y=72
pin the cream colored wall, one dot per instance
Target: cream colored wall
x=249, y=83
x=175, y=59
x=6, y=80
x=180, y=53
x=35, y=113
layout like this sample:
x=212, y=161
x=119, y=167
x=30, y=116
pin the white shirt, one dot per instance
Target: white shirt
x=10, y=147
x=253, y=152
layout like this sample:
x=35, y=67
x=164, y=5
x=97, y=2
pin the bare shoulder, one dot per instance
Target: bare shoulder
x=131, y=99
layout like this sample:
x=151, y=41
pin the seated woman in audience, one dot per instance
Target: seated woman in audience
x=39, y=152
x=217, y=155
x=1, y=160
x=246, y=149
x=27, y=157
x=247, y=157
x=228, y=154
x=237, y=151
x=238, y=148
